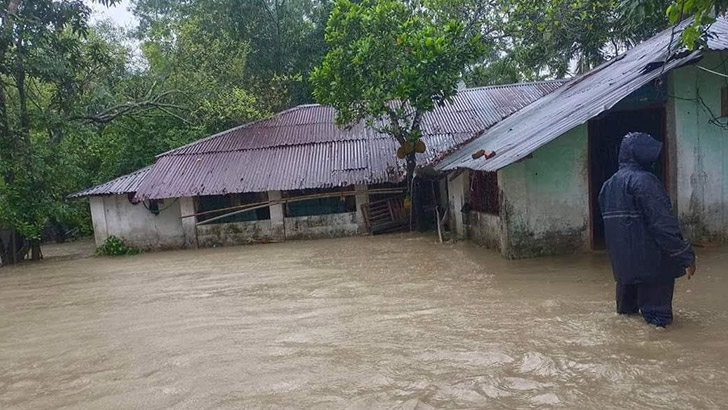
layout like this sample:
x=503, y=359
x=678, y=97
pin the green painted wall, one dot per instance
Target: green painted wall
x=701, y=149
x=545, y=199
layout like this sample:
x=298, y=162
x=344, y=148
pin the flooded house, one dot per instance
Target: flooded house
x=295, y=175
x=528, y=186
x=515, y=168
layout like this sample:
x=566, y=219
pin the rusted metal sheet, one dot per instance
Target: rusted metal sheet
x=472, y=110
x=576, y=102
x=323, y=165
x=123, y=185
x=302, y=148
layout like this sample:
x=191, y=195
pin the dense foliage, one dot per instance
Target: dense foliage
x=704, y=13
x=45, y=68
x=531, y=40
x=82, y=104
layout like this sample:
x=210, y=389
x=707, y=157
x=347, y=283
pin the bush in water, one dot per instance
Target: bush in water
x=114, y=246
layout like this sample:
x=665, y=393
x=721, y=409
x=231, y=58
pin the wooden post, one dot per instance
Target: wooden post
x=437, y=221
x=14, y=245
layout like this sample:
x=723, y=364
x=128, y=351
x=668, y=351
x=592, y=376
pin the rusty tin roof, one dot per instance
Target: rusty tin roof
x=302, y=148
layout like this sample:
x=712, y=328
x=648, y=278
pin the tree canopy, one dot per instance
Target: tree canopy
x=389, y=62
x=704, y=13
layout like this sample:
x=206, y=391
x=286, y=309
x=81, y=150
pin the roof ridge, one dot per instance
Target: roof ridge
x=487, y=87
x=247, y=124
x=201, y=140
x=297, y=144
x=305, y=106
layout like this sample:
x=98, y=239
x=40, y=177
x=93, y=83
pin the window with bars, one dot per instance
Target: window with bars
x=319, y=206
x=215, y=202
x=484, y=196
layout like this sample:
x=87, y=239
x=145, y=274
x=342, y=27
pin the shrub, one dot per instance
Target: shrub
x=114, y=246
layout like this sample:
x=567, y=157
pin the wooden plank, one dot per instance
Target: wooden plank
x=299, y=198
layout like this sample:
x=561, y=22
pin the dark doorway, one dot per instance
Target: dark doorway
x=605, y=136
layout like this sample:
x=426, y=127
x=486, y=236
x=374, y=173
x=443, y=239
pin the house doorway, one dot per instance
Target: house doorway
x=605, y=136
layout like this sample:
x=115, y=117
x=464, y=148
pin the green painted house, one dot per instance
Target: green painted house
x=535, y=193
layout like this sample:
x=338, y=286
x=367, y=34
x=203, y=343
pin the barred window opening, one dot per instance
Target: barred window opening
x=484, y=196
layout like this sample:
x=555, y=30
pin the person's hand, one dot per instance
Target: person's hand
x=691, y=270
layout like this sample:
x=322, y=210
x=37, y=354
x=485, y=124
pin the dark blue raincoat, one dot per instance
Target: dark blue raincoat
x=642, y=234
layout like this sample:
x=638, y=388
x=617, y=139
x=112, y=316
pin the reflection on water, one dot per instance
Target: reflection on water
x=363, y=323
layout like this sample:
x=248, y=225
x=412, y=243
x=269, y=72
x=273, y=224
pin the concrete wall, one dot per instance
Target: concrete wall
x=458, y=191
x=277, y=219
x=98, y=219
x=486, y=230
x=482, y=228
x=545, y=199
x=302, y=227
x=280, y=228
x=238, y=233
x=187, y=207
x=701, y=150
x=115, y=215
x=544, y=202
x=322, y=226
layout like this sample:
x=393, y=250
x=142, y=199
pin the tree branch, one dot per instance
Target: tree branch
x=396, y=127
x=171, y=114
x=112, y=113
x=417, y=121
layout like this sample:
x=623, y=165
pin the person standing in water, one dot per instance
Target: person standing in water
x=644, y=242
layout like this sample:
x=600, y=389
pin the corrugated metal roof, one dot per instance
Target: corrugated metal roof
x=302, y=148
x=123, y=185
x=575, y=103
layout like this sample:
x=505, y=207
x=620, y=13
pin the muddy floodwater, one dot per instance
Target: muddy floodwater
x=393, y=322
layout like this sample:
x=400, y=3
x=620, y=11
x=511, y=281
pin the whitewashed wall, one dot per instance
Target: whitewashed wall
x=115, y=215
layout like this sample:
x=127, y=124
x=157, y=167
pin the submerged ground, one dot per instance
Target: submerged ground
x=360, y=323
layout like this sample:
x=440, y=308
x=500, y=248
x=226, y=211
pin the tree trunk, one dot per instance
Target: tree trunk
x=24, y=117
x=6, y=156
x=417, y=209
x=35, y=251
x=417, y=206
x=411, y=166
x=11, y=248
x=4, y=254
x=6, y=152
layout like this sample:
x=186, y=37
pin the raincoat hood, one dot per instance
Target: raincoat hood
x=639, y=150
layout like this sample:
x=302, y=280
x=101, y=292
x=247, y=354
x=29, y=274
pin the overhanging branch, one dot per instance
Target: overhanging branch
x=128, y=108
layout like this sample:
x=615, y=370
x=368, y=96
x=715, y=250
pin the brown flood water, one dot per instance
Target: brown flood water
x=394, y=322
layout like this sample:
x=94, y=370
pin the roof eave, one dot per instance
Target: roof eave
x=496, y=138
